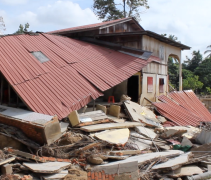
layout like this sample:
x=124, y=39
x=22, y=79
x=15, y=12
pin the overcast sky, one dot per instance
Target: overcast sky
x=189, y=20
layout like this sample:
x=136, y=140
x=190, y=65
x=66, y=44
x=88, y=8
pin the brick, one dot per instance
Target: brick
x=52, y=159
x=99, y=175
x=89, y=174
x=92, y=175
x=46, y=158
x=103, y=177
x=67, y=160
x=96, y=177
x=96, y=174
x=110, y=177
x=89, y=178
x=106, y=175
x=59, y=160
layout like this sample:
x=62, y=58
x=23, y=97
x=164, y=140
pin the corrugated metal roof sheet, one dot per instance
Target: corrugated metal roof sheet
x=96, y=25
x=183, y=108
x=68, y=81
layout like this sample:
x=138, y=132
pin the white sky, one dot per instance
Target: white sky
x=189, y=20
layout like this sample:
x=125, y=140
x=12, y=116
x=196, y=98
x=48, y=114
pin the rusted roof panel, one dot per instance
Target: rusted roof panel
x=183, y=108
x=76, y=72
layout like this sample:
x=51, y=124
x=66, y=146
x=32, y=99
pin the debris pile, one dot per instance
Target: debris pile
x=115, y=142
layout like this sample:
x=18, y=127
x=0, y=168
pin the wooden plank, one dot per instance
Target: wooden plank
x=100, y=127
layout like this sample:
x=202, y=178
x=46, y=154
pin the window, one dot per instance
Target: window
x=40, y=56
x=161, y=52
x=149, y=84
x=161, y=85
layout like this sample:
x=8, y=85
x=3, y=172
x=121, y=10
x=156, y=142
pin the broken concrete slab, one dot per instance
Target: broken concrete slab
x=116, y=136
x=107, y=126
x=25, y=155
x=125, y=167
x=169, y=132
x=145, y=158
x=6, y=169
x=146, y=132
x=185, y=171
x=102, y=108
x=49, y=167
x=204, y=137
x=174, y=163
x=59, y=176
x=161, y=119
x=63, y=126
x=46, y=127
x=74, y=118
x=114, y=110
x=140, y=114
x=186, y=142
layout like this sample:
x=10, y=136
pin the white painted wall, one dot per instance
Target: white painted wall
x=152, y=96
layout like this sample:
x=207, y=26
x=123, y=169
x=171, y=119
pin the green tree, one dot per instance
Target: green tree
x=204, y=73
x=110, y=10
x=173, y=72
x=192, y=83
x=193, y=63
x=22, y=29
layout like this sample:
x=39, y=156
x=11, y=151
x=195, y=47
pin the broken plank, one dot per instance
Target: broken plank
x=116, y=136
x=100, y=127
x=49, y=167
x=126, y=152
x=174, y=163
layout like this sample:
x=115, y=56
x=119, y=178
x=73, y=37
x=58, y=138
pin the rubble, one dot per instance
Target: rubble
x=101, y=145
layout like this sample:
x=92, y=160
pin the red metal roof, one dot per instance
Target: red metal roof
x=183, y=108
x=96, y=25
x=76, y=73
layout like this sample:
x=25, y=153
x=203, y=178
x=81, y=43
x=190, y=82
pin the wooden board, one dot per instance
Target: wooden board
x=140, y=114
x=100, y=127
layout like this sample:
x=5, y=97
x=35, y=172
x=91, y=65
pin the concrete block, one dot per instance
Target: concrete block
x=74, y=118
x=114, y=110
x=102, y=108
x=6, y=169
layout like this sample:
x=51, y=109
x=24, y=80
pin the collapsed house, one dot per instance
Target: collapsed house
x=127, y=36
x=53, y=74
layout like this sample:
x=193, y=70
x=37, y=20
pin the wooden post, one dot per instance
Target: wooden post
x=9, y=95
x=180, y=73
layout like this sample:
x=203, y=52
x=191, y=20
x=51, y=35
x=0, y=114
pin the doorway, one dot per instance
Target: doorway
x=133, y=88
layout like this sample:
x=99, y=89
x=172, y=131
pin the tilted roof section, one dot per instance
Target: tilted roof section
x=75, y=73
x=97, y=26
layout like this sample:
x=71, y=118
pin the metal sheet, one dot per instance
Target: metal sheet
x=76, y=72
x=183, y=108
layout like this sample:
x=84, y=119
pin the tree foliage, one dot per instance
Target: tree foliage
x=208, y=52
x=192, y=83
x=193, y=63
x=107, y=10
x=22, y=28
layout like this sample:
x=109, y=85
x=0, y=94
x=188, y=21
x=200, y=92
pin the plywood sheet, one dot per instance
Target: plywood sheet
x=49, y=167
x=174, y=162
x=146, y=132
x=100, y=127
x=116, y=136
x=186, y=171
